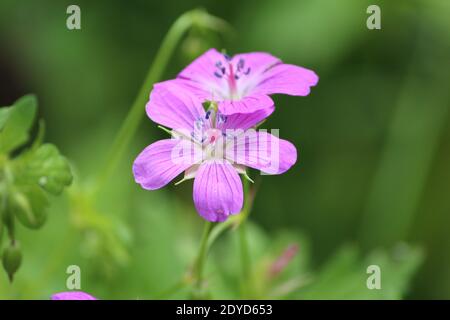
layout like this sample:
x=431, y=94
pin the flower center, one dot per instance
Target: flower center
x=212, y=135
x=214, y=144
x=209, y=134
x=231, y=72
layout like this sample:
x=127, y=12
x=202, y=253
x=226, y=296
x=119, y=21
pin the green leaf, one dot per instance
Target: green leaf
x=46, y=167
x=15, y=122
x=1, y=218
x=345, y=276
x=4, y=115
x=39, y=170
x=397, y=267
x=266, y=254
x=29, y=204
x=40, y=135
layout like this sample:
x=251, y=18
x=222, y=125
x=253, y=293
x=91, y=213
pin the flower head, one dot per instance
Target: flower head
x=209, y=146
x=243, y=83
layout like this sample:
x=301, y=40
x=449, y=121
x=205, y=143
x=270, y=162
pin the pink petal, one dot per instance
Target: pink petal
x=286, y=79
x=201, y=71
x=196, y=89
x=217, y=191
x=247, y=104
x=262, y=151
x=243, y=121
x=72, y=295
x=171, y=105
x=258, y=62
x=162, y=161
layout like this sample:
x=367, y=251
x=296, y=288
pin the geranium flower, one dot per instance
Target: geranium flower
x=243, y=83
x=72, y=295
x=209, y=146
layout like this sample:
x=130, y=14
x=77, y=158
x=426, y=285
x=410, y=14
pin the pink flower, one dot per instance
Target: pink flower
x=213, y=148
x=72, y=295
x=243, y=83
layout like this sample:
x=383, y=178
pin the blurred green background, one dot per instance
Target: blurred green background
x=373, y=139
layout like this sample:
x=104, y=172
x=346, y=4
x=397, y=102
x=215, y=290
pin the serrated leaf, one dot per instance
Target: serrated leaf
x=46, y=167
x=15, y=123
x=28, y=204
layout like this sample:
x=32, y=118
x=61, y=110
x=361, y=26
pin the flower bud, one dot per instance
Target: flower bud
x=12, y=258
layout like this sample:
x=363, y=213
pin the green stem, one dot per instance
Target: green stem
x=186, y=21
x=218, y=230
x=245, y=257
x=200, y=262
x=243, y=242
x=236, y=220
x=210, y=235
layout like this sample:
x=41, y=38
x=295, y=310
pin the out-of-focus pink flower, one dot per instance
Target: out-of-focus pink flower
x=243, y=83
x=280, y=264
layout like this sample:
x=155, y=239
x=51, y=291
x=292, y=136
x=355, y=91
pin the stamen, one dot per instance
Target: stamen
x=240, y=64
x=232, y=72
x=222, y=118
x=195, y=137
x=199, y=123
x=227, y=135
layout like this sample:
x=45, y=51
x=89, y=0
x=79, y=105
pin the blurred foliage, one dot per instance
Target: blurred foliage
x=26, y=178
x=373, y=139
x=341, y=278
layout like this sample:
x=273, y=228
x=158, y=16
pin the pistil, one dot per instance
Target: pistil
x=232, y=83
